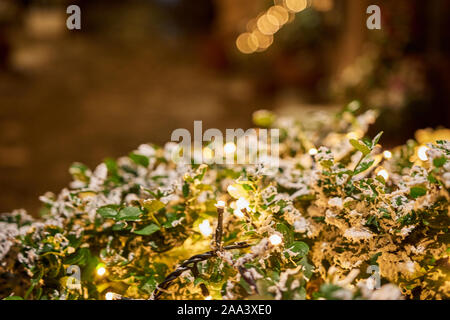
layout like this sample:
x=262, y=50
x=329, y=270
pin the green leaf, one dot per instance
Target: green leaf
x=109, y=211
x=185, y=189
x=374, y=258
x=119, y=226
x=439, y=162
x=13, y=298
x=288, y=234
x=150, y=285
x=327, y=291
x=129, y=214
x=360, y=147
x=153, y=205
x=111, y=165
x=432, y=179
x=78, y=257
x=148, y=230
x=417, y=192
x=381, y=179
x=376, y=139
x=199, y=280
x=363, y=166
x=139, y=159
x=300, y=248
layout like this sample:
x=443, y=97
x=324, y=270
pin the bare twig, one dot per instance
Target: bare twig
x=219, y=229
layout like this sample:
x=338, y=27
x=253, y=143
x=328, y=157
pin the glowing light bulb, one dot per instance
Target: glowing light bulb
x=387, y=154
x=101, y=271
x=247, y=43
x=110, y=295
x=238, y=213
x=208, y=298
x=275, y=239
x=231, y=189
x=313, y=151
x=229, y=148
x=422, y=153
x=237, y=191
x=384, y=174
x=280, y=13
x=268, y=24
x=296, y=5
x=242, y=203
x=205, y=228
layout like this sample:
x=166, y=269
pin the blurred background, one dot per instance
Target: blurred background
x=138, y=69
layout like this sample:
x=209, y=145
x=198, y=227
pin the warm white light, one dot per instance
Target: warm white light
x=208, y=298
x=422, y=153
x=238, y=213
x=110, y=295
x=280, y=13
x=237, y=191
x=268, y=24
x=101, y=271
x=247, y=43
x=242, y=203
x=296, y=5
x=231, y=189
x=229, y=148
x=384, y=174
x=387, y=154
x=275, y=239
x=220, y=204
x=205, y=228
x=313, y=151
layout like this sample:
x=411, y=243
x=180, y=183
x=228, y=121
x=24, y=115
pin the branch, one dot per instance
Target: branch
x=219, y=229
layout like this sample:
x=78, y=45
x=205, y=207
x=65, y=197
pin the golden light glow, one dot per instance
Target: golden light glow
x=422, y=153
x=260, y=30
x=296, y=5
x=384, y=174
x=101, y=271
x=264, y=41
x=268, y=24
x=208, y=298
x=205, y=228
x=229, y=148
x=247, y=43
x=313, y=151
x=280, y=13
x=275, y=239
x=109, y=295
x=387, y=154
